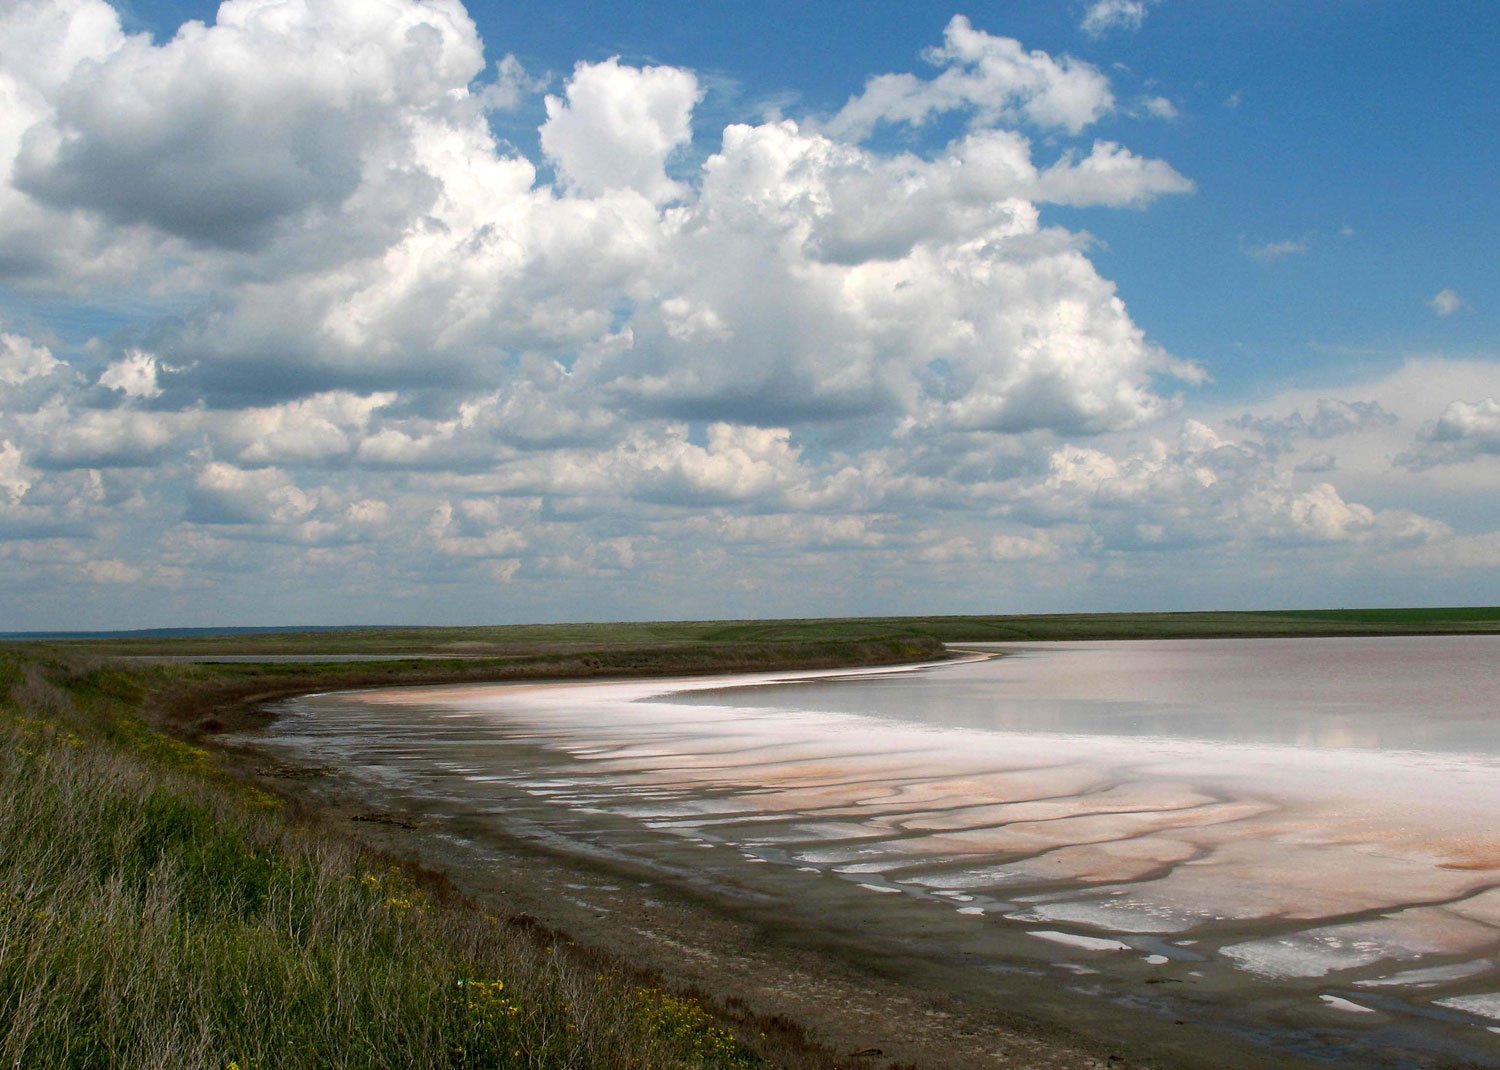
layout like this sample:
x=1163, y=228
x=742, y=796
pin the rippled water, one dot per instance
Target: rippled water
x=1300, y=834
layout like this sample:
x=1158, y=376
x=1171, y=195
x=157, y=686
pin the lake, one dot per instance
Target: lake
x=1295, y=841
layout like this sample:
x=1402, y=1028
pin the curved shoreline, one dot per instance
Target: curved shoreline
x=710, y=940
x=797, y=929
x=700, y=939
x=695, y=939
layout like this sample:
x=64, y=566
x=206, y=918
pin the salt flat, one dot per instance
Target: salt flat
x=1294, y=838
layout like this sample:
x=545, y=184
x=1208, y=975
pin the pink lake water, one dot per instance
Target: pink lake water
x=1301, y=836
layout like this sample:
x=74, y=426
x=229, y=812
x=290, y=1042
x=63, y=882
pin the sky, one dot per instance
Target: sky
x=402, y=311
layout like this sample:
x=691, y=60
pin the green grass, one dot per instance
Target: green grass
x=156, y=911
x=559, y=640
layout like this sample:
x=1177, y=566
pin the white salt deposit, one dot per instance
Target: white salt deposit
x=1486, y=1005
x=1338, y=1003
x=1088, y=943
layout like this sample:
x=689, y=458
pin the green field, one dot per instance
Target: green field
x=533, y=639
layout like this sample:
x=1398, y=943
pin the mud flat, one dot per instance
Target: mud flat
x=1225, y=852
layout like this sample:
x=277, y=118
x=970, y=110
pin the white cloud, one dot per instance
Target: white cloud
x=46, y=40
x=22, y=360
x=311, y=430
x=1479, y=420
x=1382, y=425
x=227, y=131
x=1319, y=514
x=798, y=279
x=1446, y=302
x=133, y=375
x=993, y=78
x=1110, y=174
x=1204, y=489
x=67, y=437
x=881, y=266
x=735, y=464
x=476, y=529
x=618, y=126
x=224, y=494
x=1161, y=108
x=1268, y=252
x=1023, y=548
x=1318, y=463
x=1105, y=16
x=15, y=479
x=1462, y=554
x=1466, y=430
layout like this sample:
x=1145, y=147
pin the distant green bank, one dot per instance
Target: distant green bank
x=560, y=640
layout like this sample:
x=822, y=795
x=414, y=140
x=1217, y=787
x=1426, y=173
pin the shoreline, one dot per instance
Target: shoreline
x=842, y=993
x=792, y=927
x=699, y=941
x=695, y=940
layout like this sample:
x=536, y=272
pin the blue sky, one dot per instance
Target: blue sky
x=324, y=312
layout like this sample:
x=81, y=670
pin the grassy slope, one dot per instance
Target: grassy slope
x=154, y=910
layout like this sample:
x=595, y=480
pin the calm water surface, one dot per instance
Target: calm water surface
x=1439, y=694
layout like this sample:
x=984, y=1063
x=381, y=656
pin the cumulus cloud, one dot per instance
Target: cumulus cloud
x=1022, y=548
x=382, y=351
x=1446, y=302
x=112, y=571
x=1319, y=463
x=1105, y=16
x=994, y=79
x=1160, y=108
x=1466, y=431
x=315, y=430
x=796, y=280
x=735, y=464
x=1205, y=489
x=476, y=529
x=22, y=360
x=14, y=478
x=224, y=494
x=1331, y=418
x=226, y=131
x=133, y=375
x=66, y=437
x=616, y=126
x=1110, y=174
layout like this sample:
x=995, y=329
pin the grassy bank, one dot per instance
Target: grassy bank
x=762, y=639
x=156, y=910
